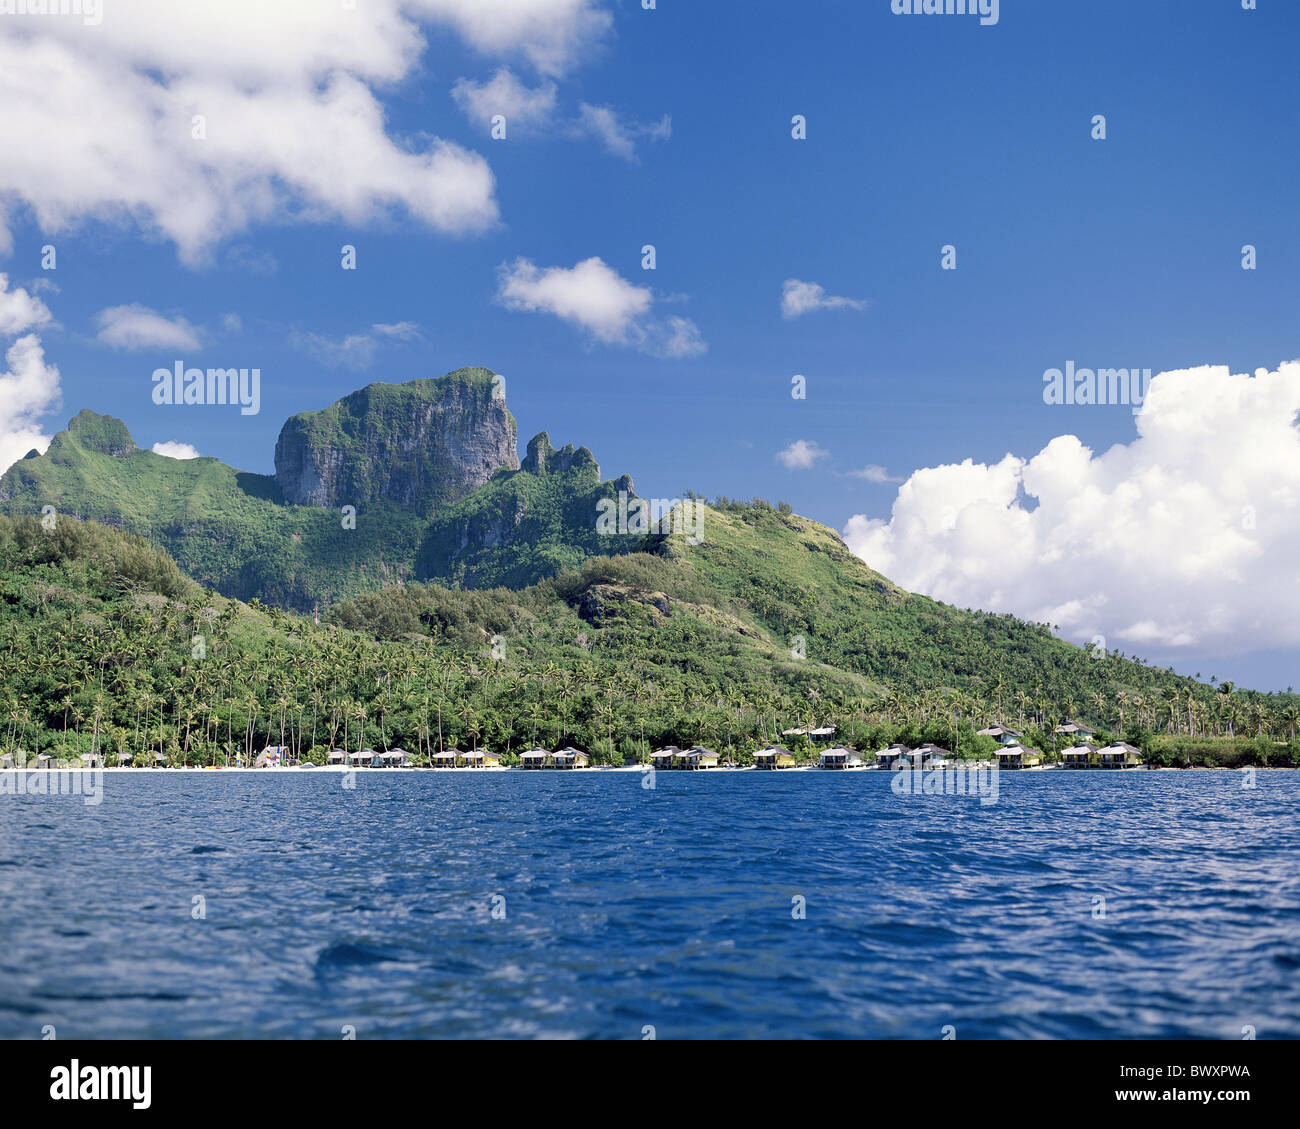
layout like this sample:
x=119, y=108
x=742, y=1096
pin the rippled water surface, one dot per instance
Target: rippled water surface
x=670, y=908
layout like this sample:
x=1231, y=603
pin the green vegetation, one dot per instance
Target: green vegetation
x=105, y=646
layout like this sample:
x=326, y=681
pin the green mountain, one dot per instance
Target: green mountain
x=428, y=472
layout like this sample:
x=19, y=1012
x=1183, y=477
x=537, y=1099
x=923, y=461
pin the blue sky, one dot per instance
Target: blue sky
x=922, y=131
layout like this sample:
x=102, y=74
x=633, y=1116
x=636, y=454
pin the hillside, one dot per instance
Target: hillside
x=430, y=468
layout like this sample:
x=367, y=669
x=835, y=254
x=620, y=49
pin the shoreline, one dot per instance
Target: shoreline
x=338, y=770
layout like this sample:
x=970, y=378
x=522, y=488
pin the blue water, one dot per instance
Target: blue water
x=627, y=908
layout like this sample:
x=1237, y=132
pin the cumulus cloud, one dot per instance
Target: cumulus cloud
x=597, y=299
x=799, y=298
x=20, y=310
x=1188, y=536
x=170, y=450
x=137, y=327
x=356, y=351
x=29, y=390
x=505, y=94
x=197, y=121
x=802, y=454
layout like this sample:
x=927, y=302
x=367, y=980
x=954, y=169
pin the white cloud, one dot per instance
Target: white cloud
x=522, y=106
x=1188, y=536
x=597, y=299
x=799, y=298
x=137, y=327
x=618, y=136
x=170, y=450
x=98, y=119
x=876, y=474
x=20, y=310
x=29, y=389
x=802, y=454
x=356, y=351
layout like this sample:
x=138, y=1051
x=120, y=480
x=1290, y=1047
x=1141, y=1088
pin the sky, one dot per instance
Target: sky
x=804, y=174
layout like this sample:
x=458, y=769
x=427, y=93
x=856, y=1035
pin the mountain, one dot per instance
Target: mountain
x=430, y=468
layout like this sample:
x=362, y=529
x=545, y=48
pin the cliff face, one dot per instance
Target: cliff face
x=422, y=445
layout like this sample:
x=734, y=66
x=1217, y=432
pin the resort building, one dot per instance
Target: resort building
x=534, y=758
x=698, y=757
x=363, y=759
x=44, y=760
x=665, y=757
x=889, y=757
x=1120, y=755
x=1017, y=756
x=1079, y=756
x=1074, y=729
x=774, y=756
x=840, y=757
x=395, y=758
x=91, y=760
x=335, y=756
x=825, y=733
x=447, y=758
x=160, y=760
x=6, y=760
x=125, y=758
x=570, y=758
x=1002, y=734
x=932, y=756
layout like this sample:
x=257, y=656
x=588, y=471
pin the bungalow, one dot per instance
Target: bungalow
x=91, y=760
x=534, y=758
x=44, y=760
x=774, y=756
x=335, y=756
x=840, y=757
x=1002, y=734
x=887, y=758
x=1074, y=729
x=1017, y=756
x=665, y=757
x=479, y=758
x=825, y=733
x=570, y=758
x=363, y=759
x=699, y=757
x=932, y=755
x=160, y=759
x=1120, y=755
x=1079, y=756
x=125, y=758
x=448, y=758
x=6, y=760
x=490, y=760
x=396, y=758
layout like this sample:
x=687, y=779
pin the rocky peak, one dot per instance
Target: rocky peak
x=424, y=444
x=542, y=458
x=105, y=434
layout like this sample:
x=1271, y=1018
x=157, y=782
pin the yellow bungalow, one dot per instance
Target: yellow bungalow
x=1017, y=756
x=774, y=756
x=1120, y=755
x=665, y=757
x=570, y=758
x=448, y=758
x=1080, y=756
x=698, y=757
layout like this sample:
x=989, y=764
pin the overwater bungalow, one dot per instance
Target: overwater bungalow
x=534, y=758
x=697, y=758
x=889, y=757
x=1017, y=756
x=1119, y=755
x=1074, y=729
x=1079, y=756
x=840, y=757
x=1002, y=734
x=570, y=758
x=775, y=756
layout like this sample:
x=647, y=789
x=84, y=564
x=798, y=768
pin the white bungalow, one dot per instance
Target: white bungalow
x=1002, y=734
x=1120, y=755
x=932, y=755
x=534, y=758
x=1079, y=756
x=363, y=759
x=335, y=756
x=1074, y=729
x=445, y=759
x=840, y=757
x=887, y=758
x=396, y=758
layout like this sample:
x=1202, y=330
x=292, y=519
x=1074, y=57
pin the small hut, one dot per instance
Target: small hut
x=335, y=756
x=1120, y=754
x=534, y=758
x=570, y=758
x=774, y=756
x=1079, y=756
x=699, y=757
x=840, y=757
x=1001, y=734
x=447, y=758
x=890, y=756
